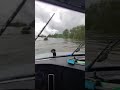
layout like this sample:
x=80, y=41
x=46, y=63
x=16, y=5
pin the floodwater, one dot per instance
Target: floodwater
x=59, y=44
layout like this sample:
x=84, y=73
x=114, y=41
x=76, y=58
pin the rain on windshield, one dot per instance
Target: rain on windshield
x=64, y=32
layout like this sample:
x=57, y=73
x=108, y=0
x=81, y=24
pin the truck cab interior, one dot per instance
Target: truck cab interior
x=55, y=73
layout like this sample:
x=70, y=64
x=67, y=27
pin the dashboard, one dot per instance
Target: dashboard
x=103, y=78
x=57, y=74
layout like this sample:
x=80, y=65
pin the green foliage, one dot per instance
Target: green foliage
x=56, y=36
x=66, y=33
x=76, y=33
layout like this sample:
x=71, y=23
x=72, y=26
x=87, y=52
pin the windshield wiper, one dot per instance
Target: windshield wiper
x=44, y=27
x=78, y=48
x=60, y=56
x=104, y=53
x=18, y=78
x=12, y=17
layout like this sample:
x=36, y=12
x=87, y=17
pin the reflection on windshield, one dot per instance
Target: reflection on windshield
x=64, y=32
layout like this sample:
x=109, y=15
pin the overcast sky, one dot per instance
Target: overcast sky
x=63, y=18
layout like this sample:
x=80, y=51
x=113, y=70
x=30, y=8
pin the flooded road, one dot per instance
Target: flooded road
x=61, y=45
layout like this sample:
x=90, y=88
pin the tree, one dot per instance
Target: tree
x=76, y=33
x=66, y=33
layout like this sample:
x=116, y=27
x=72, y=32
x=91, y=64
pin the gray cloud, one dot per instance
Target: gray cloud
x=68, y=18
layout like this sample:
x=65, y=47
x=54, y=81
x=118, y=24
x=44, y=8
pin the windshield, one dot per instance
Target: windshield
x=64, y=32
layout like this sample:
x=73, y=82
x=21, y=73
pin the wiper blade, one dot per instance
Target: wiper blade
x=19, y=78
x=12, y=17
x=104, y=53
x=44, y=27
x=61, y=56
x=78, y=48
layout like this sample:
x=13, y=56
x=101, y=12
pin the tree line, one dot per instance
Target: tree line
x=76, y=33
